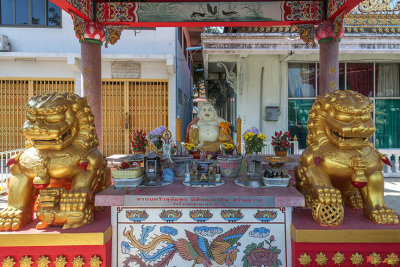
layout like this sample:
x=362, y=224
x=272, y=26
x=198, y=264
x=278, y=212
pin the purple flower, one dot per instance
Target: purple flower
x=162, y=128
x=252, y=130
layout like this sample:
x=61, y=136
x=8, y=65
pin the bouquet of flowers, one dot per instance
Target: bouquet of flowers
x=155, y=136
x=228, y=148
x=139, y=141
x=254, y=140
x=189, y=147
x=280, y=141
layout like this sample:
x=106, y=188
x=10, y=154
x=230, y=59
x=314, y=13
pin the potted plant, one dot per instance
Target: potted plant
x=139, y=142
x=155, y=136
x=281, y=143
x=229, y=162
x=254, y=140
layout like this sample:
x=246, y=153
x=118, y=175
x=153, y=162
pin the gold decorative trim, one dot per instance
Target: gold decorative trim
x=8, y=262
x=374, y=259
x=43, y=261
x=321, y=259
x=357, y=259
x=392, y=259
x=342, y=236
x=78, y=262
x=304, y=259
x=95, y=261
x=338, y=258
x=26, y=261
x=60, y=261
x=64, y=239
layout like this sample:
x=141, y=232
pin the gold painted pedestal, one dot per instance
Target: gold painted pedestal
x=89, y=245
x=357, y=242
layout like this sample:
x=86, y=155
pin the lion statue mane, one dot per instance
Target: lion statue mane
x=340, y=163
x=61, y=165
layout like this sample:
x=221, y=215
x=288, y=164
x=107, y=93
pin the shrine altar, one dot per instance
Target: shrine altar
x=180, y=225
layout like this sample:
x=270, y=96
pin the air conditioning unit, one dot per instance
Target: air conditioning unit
x=4, y=45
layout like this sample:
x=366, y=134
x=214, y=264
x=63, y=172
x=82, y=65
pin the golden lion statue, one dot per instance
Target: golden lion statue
x=340, y=164
x=61, y=161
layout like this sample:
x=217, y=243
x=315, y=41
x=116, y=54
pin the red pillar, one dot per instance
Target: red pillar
x=91, y=35
x=328, y=56
x=91, y=82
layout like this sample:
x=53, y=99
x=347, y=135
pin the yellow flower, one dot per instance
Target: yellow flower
x=227, y=146
x=262, y=136
x=189, y=146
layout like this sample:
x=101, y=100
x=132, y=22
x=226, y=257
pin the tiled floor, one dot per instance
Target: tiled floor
x=392, y=194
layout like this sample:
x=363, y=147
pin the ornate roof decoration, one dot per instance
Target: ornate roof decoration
x=370, y=16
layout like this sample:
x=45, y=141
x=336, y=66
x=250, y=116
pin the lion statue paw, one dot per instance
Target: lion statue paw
x=353, y=200
x=328, y=195
x=382, y=215
x=11, y=219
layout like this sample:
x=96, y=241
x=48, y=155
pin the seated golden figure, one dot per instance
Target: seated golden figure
x=61, y=161
x=340, y=163
x=209, y=131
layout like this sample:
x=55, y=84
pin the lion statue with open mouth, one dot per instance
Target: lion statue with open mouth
x=61, y=163
x=340, y=163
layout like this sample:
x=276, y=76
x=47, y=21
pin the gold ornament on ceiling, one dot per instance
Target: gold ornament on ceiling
x=338, y=258
x=321, y=259
x=392, y=259
x=8, y=262
x=78, y=262
x=95, y=261
x=60, y=261
x=304, y=259
x=374, y=259
x=43, y=261
x=357, y=259
x=26, y=261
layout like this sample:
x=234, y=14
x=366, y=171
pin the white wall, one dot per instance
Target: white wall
x=63, y=40
x=51, y=49
x=184, y=82
x=272, y=95
x=275, y=84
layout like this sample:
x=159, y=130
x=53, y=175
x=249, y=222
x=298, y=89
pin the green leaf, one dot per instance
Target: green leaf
x=278, y=251
x=279, y=262
x=247, y=251
x=260, y=245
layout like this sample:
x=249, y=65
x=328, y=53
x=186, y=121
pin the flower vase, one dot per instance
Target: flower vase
x=230, y=166
x=281, y=153
x=180, y=163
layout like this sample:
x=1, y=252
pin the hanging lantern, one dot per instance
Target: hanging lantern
x=152, y=168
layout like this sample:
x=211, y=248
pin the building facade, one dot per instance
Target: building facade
x=146, y=77
x=275, y=74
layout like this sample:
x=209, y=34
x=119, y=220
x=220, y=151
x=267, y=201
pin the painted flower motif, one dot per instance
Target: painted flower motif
x=262, y=257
